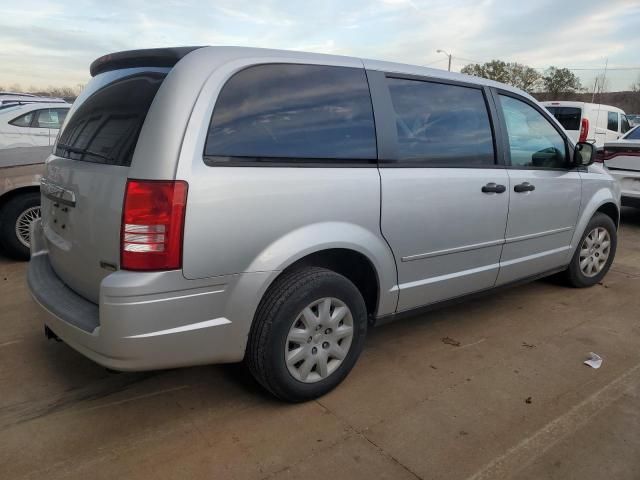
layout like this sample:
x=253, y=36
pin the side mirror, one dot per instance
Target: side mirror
x=584, y=154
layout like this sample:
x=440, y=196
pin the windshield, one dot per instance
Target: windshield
x=106, y=120
x=569, y=117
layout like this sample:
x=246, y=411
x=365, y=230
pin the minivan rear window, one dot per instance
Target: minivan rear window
x=106, y=124
x=569, y=117
x=292, y=113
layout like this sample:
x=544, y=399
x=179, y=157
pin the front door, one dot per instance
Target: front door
x=545, y=194
x=444, y=199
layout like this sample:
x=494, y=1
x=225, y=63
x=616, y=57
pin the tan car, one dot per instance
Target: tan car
x=20, y=173
x=26, y=135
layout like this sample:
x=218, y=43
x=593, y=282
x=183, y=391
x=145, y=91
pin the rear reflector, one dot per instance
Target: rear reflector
x=152, y=225
x=584, y=130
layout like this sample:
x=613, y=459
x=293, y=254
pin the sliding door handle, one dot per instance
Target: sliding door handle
x=493, y=188
x=524, y=187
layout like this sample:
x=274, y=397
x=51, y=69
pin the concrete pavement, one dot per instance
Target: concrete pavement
x=511, y=400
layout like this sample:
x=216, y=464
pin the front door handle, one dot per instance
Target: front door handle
x=493, y=188
x=524, y=187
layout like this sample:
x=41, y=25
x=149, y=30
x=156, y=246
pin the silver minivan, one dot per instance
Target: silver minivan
x=215, y=204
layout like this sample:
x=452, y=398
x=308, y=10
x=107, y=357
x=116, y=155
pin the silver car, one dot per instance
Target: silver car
x=209, y=205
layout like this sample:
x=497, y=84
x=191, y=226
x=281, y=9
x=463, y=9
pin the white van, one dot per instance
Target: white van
x=590, y=122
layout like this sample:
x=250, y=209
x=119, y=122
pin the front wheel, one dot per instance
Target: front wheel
x=308, y=333
x=595, y=252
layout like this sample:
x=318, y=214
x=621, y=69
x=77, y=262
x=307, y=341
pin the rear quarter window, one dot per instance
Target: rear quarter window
x=633, y=134
x=292, y=113
x=23, y=120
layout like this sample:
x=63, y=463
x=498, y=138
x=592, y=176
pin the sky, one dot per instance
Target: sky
x=52, y=43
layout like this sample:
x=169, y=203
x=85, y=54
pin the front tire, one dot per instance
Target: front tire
x=16, y=217
x=595, y=252
x=308, y=332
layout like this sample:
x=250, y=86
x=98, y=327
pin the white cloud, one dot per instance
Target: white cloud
x=53, y=43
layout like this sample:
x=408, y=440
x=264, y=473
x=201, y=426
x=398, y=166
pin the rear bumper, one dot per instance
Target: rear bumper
x=147, y=321
x=629, y=181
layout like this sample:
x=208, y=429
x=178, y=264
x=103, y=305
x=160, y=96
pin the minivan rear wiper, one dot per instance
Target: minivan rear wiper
x=83, y=151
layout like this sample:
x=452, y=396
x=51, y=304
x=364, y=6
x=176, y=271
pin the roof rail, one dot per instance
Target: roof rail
x=148, y=57
x=18, y=94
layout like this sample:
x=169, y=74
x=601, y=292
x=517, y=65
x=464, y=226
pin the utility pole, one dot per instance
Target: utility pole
x=598, y=86
x=448, y=55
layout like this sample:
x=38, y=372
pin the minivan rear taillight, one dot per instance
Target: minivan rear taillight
x=152, y=225
x=584, y=130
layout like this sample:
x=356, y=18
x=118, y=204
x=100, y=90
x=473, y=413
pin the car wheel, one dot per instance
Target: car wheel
x=16, y=217
x=308, y=332
x=595, y=252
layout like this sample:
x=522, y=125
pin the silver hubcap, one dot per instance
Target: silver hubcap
x=595, y=251
x=23, y=225
x=319, y=340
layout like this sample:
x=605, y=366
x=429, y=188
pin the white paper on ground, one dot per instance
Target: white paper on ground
x=594, y=360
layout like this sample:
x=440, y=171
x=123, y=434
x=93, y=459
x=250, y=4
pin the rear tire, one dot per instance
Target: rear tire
x=15, y=218
x=595, y=253
x=307, y=334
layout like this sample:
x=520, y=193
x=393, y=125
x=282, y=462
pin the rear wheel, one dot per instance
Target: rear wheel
x=595, y=252
x=16, y=217
x=308, y=333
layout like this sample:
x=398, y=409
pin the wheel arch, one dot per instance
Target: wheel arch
x=601, y=201
x=338, y=246
x=611, y=210
x=16, y=192
x=349, y=263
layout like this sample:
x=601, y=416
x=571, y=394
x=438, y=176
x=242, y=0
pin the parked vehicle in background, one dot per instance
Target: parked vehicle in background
x=214, y=204
x=31, y=125
x=589, y=122
x=20, y=174
x=634, y=119
x=622, y=158
x=11, y=98
x=26, y=135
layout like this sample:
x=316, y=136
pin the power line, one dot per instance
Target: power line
x=456, y=57
x=433, y=63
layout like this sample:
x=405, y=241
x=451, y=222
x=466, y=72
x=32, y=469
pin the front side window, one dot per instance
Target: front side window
x=612, y=121
x=533, y=142
x=625, y=124
x=290, y=111
x=23, y=120
x=440, y=124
